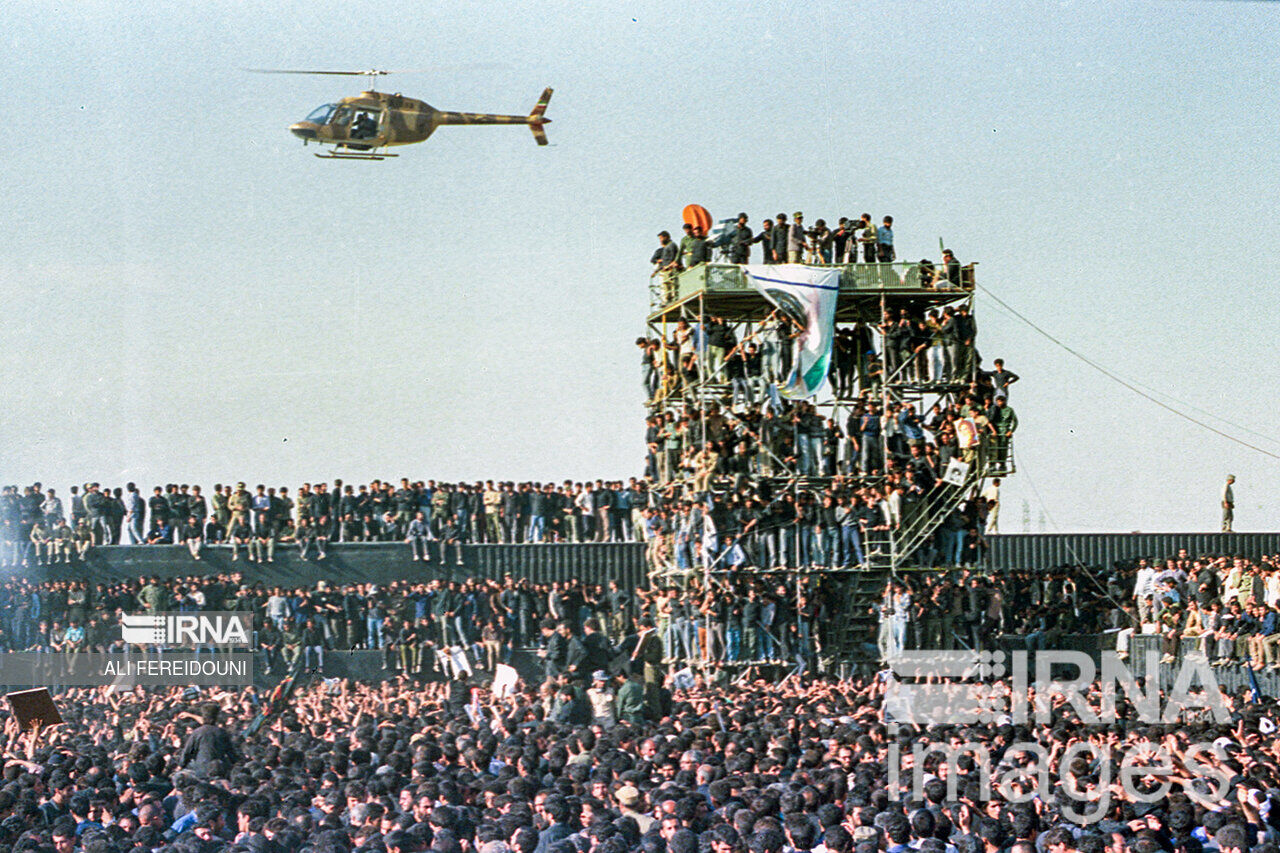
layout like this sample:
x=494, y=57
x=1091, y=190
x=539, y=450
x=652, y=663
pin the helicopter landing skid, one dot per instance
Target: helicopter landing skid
x=336, y=155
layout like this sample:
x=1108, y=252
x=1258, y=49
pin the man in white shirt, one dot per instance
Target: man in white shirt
x=277, y=607
x=1144, y=587
x=583, y=502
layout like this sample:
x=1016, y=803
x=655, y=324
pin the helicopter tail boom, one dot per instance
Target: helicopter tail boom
x=537, y=119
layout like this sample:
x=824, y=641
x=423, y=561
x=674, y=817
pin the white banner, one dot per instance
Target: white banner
x=807, y=297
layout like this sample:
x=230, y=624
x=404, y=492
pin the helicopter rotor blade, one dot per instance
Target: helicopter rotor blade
x=378, y=72
x=331, y=73
x=455, y=66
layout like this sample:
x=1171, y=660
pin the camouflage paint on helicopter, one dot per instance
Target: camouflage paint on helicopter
x=374, y=120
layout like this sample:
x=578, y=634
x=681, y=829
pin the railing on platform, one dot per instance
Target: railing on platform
x=930, y=515
x=729, y=278
x=1001, y=463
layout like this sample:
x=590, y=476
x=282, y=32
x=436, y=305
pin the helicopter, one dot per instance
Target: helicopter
x=362, y=127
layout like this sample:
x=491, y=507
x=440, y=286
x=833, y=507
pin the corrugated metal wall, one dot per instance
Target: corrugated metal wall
x=1049, y=550
x=601, y=562
x=591, y=562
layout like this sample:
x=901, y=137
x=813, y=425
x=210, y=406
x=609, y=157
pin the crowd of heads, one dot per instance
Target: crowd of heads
x=755, y=767
x=37, y=526
x=438, y=626
x=720, y=426
x=781, y=241
x=630, y=737
x=1223, y=608
x=869, y=472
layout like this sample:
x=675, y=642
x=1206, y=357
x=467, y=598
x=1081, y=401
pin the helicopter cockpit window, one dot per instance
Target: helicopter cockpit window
x=342, y=117
x=365, y=125
x=320, y=115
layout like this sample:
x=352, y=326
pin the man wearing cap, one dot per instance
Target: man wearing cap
x=240, y=503
x=866, y=833
x=600, y=695
x=796, y=244
x=776, y=249
x=630, y=802
x=1228, y=504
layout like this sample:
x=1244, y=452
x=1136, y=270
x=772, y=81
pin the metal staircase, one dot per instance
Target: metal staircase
x=854, y=624
x=941, y=501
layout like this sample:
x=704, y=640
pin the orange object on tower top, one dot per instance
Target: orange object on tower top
x=696, y=215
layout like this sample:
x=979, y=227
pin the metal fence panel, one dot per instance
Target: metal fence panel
x=1051, y=550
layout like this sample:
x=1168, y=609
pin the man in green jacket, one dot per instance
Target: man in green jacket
x=291, y=640
x=647, y=659
x=240, y=503
x=153, y=597
x=1004, y=421
x=219, y=502
x=630, y=700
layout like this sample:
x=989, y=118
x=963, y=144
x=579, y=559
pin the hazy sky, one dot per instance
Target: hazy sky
x=190, y=296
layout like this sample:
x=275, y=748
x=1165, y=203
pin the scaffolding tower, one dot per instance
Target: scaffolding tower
x=691, y=376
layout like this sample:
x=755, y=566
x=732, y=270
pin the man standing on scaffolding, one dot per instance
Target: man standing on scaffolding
x=1004, y=421
x=1228, y=504
x=740, y=240
x=666, y=261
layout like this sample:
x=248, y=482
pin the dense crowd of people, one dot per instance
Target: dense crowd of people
x=755, y=525
x=438, y=626
x=1226, y=608
x=876, y=472
x=927, y=346
x=608, y=764
x=1223, y=608
x=839, y=524
x=618, y=744
x=38, y=527
x=719, y=425
x=754, y=431
x=972, y=610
